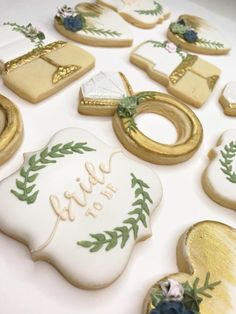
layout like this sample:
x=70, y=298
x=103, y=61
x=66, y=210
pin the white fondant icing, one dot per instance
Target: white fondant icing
x=104, y=85
x=40, y=227
x=230, y=92
x=209, y=32
x=163, y=61
x=7, y=36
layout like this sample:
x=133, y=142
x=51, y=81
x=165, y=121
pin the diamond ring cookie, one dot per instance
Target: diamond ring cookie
x=11, y=129
x=206, y=282
x=125, y=108
x=43, y=70
x=219, y=178
x=195, y=34
x=228, y=99
x=72, y=206
x=141, y=13
x=186, y=76
x=93, y=24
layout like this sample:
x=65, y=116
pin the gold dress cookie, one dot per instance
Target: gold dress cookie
x=126, y=108
x=141, y=13
x=228, y=99
x=206, y=256
x=93, y=24
x=186, y=76
x=71, y=206
x=195, y=34
x=11, y=129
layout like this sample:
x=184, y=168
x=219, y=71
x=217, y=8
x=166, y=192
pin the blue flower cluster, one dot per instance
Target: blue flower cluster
x=183, y=30
x=73, y=23
x=171, y=307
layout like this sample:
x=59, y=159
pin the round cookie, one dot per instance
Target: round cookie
x=11, y=129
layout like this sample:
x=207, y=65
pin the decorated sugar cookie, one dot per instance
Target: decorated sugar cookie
x=35, y=70
x=186, y=76
x=11, y=129
x=197, y=35
x=102, y=93
x=141, y=13
x=72, y=207
x=95, y=101
x=228, y=99
x=206, y=283
x=219, y=179
x=93, y=24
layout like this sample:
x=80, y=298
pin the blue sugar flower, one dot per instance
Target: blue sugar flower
x=73, y=23
x=171, y=307
x=190, y=36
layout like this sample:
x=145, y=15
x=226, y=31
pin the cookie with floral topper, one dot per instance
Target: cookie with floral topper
x=25, y=52
x=70, y=204
x=206, y=282
x=186, y=76
x=141, y=13
x=93, y=24
x=228, y=99
x=197, y=35
x=219, y=178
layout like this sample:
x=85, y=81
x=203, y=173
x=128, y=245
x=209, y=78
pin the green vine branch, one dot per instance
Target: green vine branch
x=138, y=215
x=26, y=190
x=228, y=155
x=101, y=31
x=158, y=10
x=209, y=44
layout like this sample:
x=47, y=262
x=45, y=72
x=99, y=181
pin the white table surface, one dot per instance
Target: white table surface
x=28, y=287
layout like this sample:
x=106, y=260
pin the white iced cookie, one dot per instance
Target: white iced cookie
x=186, y=76
x=219, y=179
x=141, y=13
x=197, y=35
x=228, y=99
x=80, y=205
x=102, y=93
x=93, y=24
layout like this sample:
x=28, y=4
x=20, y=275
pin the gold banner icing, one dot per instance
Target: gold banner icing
x=184, y=67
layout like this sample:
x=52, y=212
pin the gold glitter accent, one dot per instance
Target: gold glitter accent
x=181, y=70
x=32, y=55
x=211, y=81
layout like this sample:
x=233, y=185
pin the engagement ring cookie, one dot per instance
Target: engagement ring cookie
x=11, y=129
x=195, y=34
x=141, y=13
x=126, y=108
x=80, y=205
x=219, y=179
x=43, y=71
x=228, y=99
x=206, y=283
x=93, y=24
x=186, y=76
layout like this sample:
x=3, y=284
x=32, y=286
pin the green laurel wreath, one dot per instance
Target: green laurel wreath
x=158, y=10
x=110, y=239
x=228, y=155
x=25, y=189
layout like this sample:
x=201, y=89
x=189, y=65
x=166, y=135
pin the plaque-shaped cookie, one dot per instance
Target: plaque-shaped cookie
x=186, y=76
x=80, y=205
x=206, y=282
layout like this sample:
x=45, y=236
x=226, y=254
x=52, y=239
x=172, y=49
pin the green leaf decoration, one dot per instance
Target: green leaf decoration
x=228, y=154
x=101, y=32
x=110, y=239
x=179, y=50
x=209, y=44
x=25, y=190
x=157, y=10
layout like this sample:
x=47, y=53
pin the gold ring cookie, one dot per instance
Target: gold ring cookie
x=11, y=129
x=188, y=126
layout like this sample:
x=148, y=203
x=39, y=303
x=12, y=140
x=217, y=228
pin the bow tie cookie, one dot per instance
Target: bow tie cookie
x=195, y=34
x=219, y=179
x=186, y=76
x=11, y=129
x=70, y=204
x=206, y=257
x=111, y=94
x=93, y=24
x=35, y=69
x=228, y=99
x=141, y=13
